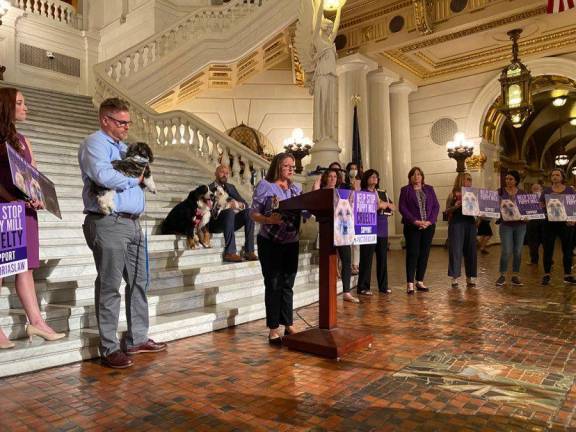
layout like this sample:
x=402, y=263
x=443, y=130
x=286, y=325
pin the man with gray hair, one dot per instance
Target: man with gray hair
x=116, y=240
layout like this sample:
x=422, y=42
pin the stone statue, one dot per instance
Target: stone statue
x=314, y=43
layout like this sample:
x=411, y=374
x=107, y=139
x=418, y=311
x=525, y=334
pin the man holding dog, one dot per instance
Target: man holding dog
x=234, y=217
x=116, y=240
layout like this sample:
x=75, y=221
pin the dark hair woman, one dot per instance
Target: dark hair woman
x=511, y=233
x=419, y=208
x=551, y=230
x=461, y=235
x=13, y=109
x=370, y=183
x=330, y=180
x=277, y=243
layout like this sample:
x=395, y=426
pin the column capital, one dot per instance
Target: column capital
x=355, y=62
x=403, y=87
x=383, y=75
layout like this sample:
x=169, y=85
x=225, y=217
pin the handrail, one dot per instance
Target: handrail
x=179, y=130
x=55, y=10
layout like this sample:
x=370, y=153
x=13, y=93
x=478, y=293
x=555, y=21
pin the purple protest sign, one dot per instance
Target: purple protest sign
x=13, y=257
x=344, y=231
x=480, y=202
x=529, y=206
x=561, y=207
x=365, y=208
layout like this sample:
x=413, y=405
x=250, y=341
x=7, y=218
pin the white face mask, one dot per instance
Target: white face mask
x=353, y=173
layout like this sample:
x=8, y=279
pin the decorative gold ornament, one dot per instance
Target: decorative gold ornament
x=476, y=162
x=356, y=99
x=423, y=16
x=368, y=33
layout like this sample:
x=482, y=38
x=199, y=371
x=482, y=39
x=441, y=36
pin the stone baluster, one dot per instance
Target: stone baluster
x=235, y=164
x=247, y=172
x=195, y=142
x=214, y=154
x=204, y=149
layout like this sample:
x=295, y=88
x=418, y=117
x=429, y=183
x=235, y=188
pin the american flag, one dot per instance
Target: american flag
x=557, y=6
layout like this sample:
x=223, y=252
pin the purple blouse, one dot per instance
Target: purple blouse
x=262, y=203
x=409, y=208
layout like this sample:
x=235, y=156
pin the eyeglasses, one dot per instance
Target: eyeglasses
x=120, y=123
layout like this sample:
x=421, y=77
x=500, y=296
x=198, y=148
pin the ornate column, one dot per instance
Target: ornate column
x=401, y=145
x=379, y=131
x=352, y=81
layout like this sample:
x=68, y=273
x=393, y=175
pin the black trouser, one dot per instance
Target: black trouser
x=228, y=222
x=345, y=254
x=279, y=262
x=551, y=230
x=418, y=242
x=462, y=243
x=534, y=238
x=365, y=273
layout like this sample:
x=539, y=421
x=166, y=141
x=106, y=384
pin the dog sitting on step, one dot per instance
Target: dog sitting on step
x=191, y=217
x=136, y=162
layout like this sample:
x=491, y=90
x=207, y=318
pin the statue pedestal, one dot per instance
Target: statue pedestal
x=323, y=153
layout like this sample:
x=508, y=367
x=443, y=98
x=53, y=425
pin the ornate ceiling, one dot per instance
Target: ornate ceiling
x=429, y=41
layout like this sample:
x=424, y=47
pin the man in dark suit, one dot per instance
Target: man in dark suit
x=234, y=217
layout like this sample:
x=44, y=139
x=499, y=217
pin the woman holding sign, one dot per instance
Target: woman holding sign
x=330, y=180
x=370, y=183
x=419, y=208
x=461, y=235
x=512, y=232
x=552, y=229
x=13, y=109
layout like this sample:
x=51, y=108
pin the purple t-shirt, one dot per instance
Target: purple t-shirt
x=262, y=203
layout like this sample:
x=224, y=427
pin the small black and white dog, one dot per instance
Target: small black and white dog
x=137, y=161
x=191, y=217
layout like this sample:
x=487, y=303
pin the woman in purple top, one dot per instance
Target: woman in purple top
x=13, y=109
x=330, y=180
x=370, y=183
x=511, y=233
x=419, y=208
x=277, y=243
x=551, y=230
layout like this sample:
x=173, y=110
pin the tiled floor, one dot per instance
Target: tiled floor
x=449, y=360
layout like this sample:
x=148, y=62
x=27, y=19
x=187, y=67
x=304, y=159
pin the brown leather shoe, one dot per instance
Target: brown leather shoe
x=117, y=360
x=233, y=258
x=148, y=347
x=251, y=256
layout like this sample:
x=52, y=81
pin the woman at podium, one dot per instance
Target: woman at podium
x=277, y=243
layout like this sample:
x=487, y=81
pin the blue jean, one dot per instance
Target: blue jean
x=512, y=240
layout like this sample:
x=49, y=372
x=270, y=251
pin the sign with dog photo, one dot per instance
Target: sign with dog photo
x=32, y=183
x=561, y=207
x=13, y=255
x=480, y=202
x=354, y=217
x=528, y=206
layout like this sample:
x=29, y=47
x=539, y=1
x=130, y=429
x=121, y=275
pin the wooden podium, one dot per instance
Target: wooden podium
x=327, y=340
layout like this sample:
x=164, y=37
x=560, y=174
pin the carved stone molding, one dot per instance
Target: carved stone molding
x=423, y=16
x=476, y=162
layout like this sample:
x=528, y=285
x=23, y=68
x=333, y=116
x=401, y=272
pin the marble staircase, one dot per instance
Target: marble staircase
x=191, y=291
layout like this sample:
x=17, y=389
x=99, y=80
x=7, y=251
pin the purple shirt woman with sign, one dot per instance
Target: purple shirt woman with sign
x=330, y=180
x=511, y=232
x=370, y=183
x=278, y=245
x=13, y=109
x=419, y=208
x=551, y=230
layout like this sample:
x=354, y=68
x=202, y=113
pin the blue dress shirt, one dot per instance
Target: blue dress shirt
x=95, y=156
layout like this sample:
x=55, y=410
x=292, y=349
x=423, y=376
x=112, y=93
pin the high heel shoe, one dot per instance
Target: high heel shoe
x=35, y=331
x=7, y=345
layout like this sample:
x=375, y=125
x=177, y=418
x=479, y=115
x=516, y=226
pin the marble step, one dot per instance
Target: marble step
x=83, y=345
x=47, y=115
x=82, y=287
x=30, y=92
x=33, y=130
x=63, y=128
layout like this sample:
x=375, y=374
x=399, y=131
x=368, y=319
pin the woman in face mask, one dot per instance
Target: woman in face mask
x=352, y=181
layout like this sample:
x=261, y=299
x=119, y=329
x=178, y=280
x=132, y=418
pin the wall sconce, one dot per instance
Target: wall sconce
x=298, y=146
x=460, y=149
x=559, y=101
x=561, y=160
